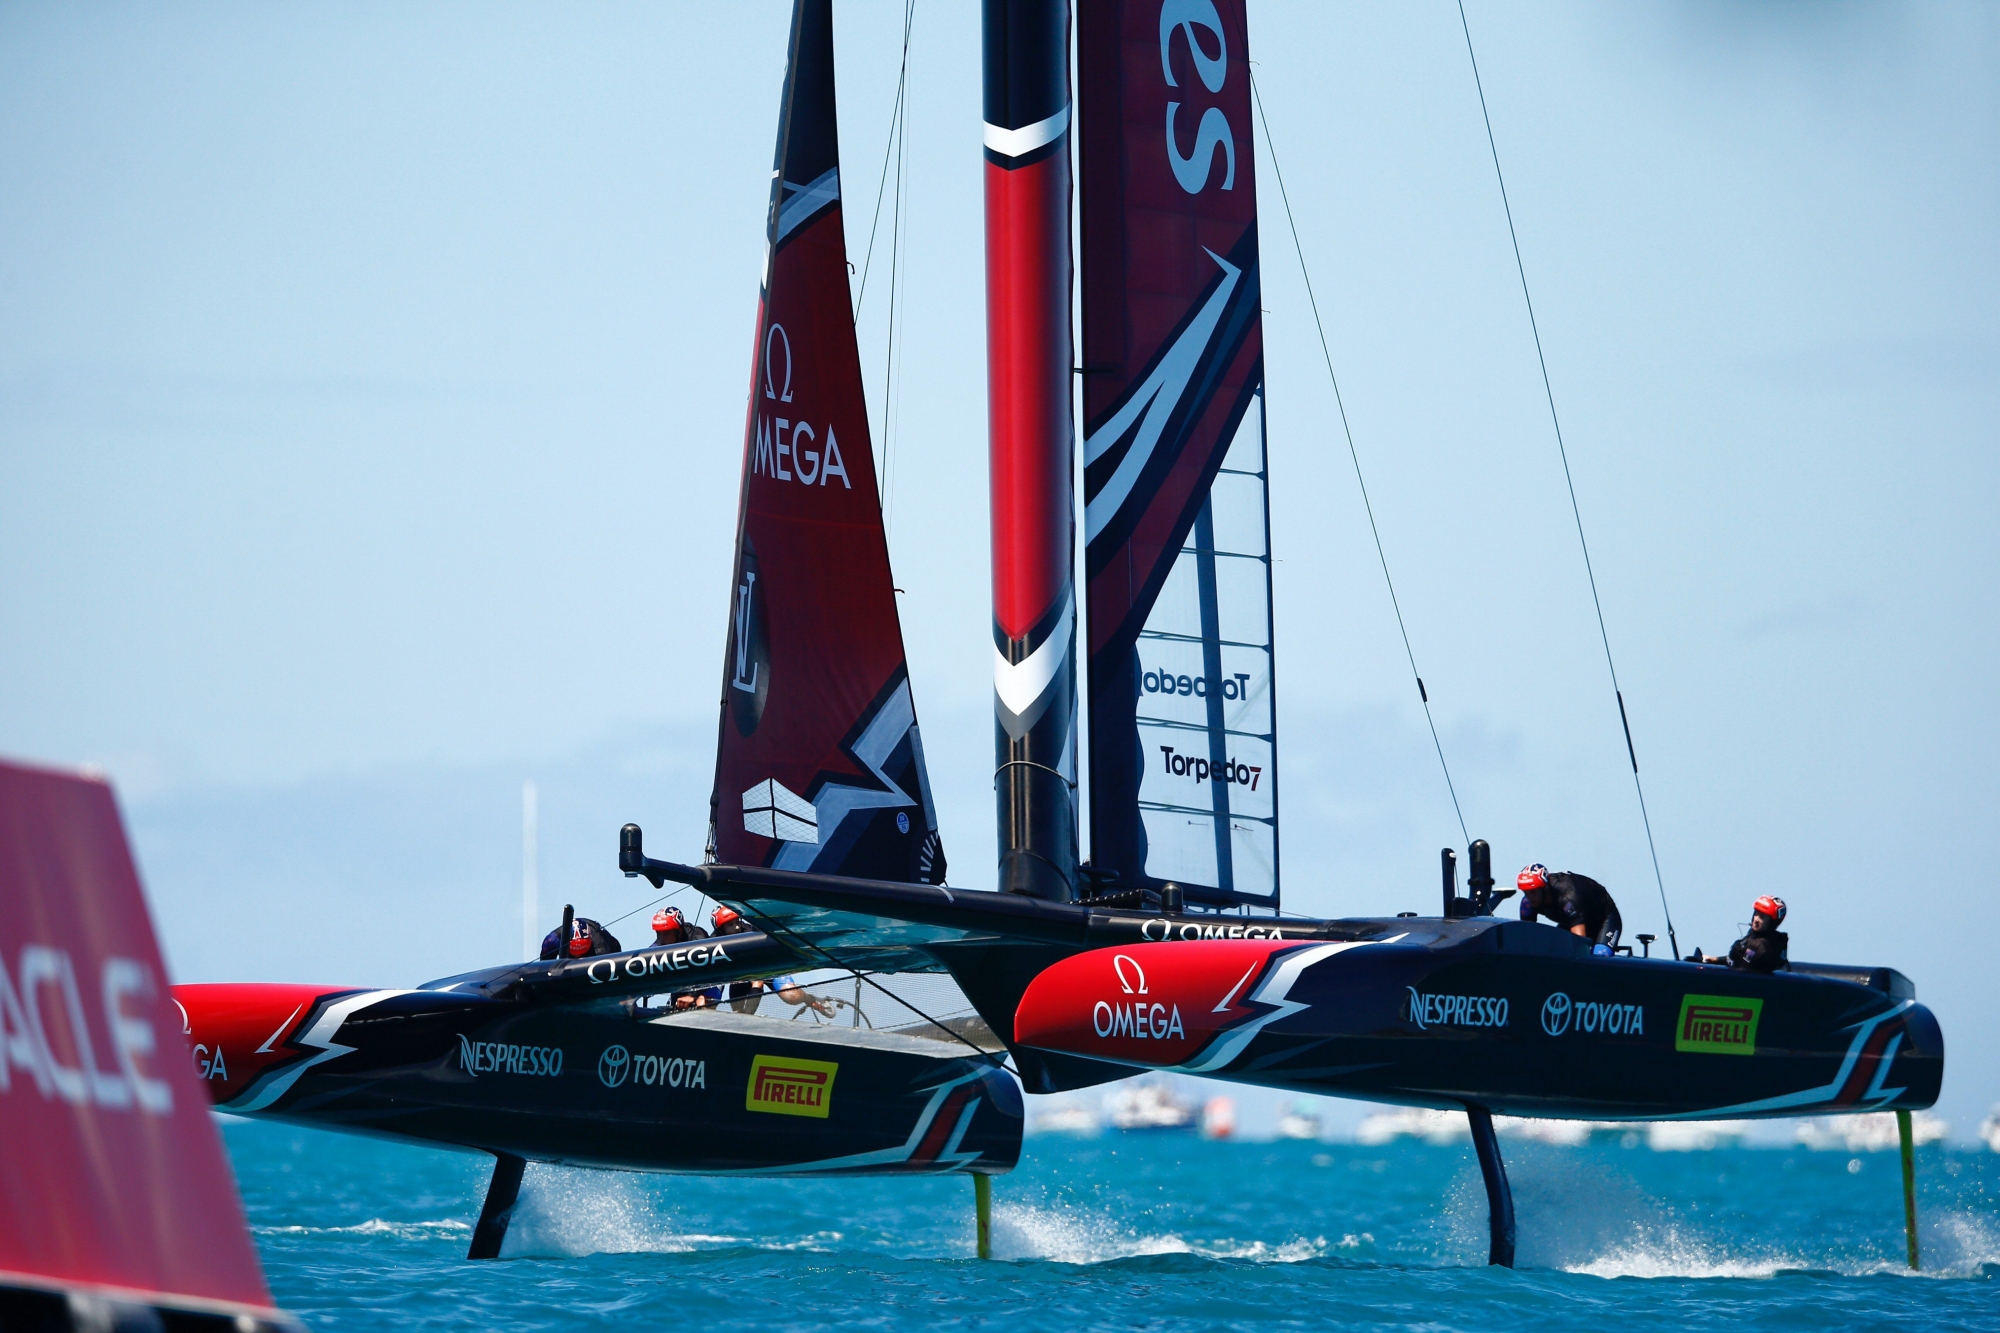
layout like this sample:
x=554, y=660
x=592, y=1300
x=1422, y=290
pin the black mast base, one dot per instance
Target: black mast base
x=499, y=1207
x=1499, y=1198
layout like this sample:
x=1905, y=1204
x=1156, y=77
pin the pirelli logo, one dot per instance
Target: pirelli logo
x=1718, y=1024
x=785, y=1086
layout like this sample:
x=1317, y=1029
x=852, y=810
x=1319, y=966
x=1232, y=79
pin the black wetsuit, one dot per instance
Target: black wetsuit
x=1761, y=951
x=1570, y=899
x=601, y=940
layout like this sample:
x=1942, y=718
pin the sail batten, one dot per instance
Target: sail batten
x=819, y=762
x=1183, y=774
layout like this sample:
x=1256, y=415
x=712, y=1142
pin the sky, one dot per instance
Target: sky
x=371, y=404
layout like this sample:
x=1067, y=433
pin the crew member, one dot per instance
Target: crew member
x=1765, y=948
x=745, y=996
x=670, y=927
x=587, y=939
x=1576, y=903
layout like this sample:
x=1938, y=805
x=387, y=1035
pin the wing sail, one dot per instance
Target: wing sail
x=819, y=764
x=1182, y=725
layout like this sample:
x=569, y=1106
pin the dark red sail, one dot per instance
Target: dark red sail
x=1183, y=744
x=819, y=765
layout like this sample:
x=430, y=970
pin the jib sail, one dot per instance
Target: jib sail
x=1183, y=747
x=819, y=765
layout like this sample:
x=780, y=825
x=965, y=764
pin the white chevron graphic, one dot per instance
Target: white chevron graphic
x=1156, y=399
x=262, y=1093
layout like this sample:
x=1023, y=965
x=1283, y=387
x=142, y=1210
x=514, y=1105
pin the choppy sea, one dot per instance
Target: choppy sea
x=1132, y=1231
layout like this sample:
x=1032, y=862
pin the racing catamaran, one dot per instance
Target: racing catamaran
x=566, y=1061
x=1166, y=950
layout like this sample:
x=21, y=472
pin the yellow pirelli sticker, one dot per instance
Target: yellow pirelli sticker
x=786, y=1086
x=1718, y=1024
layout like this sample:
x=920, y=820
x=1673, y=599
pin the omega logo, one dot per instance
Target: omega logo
x=778, y=335
x=1119, y=963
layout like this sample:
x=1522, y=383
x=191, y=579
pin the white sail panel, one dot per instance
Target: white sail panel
x=1208, y=795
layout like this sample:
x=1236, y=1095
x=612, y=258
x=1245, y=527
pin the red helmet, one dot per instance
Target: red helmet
x=1771, y=907
x=725, y=915
x=668, y=918
x=579, y=945
x=1532, y=877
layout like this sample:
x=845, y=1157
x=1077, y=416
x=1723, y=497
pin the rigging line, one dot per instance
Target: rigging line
x=888, y=145
x=643, y=906
x=1422, y=694
x=801, y=943
x=892, y=357
x=1576, y=511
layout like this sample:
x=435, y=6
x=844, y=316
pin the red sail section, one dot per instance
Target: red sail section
x=1183, y=781
x=115, y=1178
x=819, y=765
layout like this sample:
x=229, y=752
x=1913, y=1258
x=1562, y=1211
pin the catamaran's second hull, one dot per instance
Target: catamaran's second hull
x=603, y=1085
x=1448, y=1019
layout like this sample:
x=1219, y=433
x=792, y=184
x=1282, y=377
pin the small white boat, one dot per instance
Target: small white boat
x=1148, y=1105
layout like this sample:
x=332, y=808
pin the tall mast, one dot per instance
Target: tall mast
x=1032, y=442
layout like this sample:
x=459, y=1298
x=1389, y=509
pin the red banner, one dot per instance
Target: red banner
x=115, y=1176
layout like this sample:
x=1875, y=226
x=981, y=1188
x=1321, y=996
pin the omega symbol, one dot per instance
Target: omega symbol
x=772, y=339
x=1119, y=963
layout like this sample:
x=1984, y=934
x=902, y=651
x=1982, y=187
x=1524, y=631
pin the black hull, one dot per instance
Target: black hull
x=1467, y=1011
x=697, y=1092
x=1432, y=1022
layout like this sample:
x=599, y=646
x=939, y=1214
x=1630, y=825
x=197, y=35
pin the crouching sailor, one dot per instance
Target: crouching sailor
x=1576, y=903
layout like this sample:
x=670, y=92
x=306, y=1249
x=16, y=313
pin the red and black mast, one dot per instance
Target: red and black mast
x=1032, y=442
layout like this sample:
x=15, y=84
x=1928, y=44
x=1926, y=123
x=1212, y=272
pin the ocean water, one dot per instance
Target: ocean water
x=1122, y=1232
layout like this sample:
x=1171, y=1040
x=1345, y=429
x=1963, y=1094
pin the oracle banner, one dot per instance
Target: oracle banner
x=115, y=1180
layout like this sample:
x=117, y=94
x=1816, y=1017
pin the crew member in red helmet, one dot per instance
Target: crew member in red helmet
x=586, y=939
x=1765, y=948
x=670, y=927
x=1576, y=903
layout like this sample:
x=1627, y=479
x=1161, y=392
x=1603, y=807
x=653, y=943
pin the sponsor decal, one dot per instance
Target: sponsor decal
x=687, y=958
x=210, y=1064
x=1200, y=769
x=1456, y=1011
x=1159, y=928
x=782, y=1085
x=785, y=449
x=499, y=1057
x=1196, y=687
x=1140, y=1019
x=1718, y=1025
x=1561, y=1014
x=1201, y=29
x=613, y=1066
x=47, y=1032
x=745, y=678
x=617, y=1064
